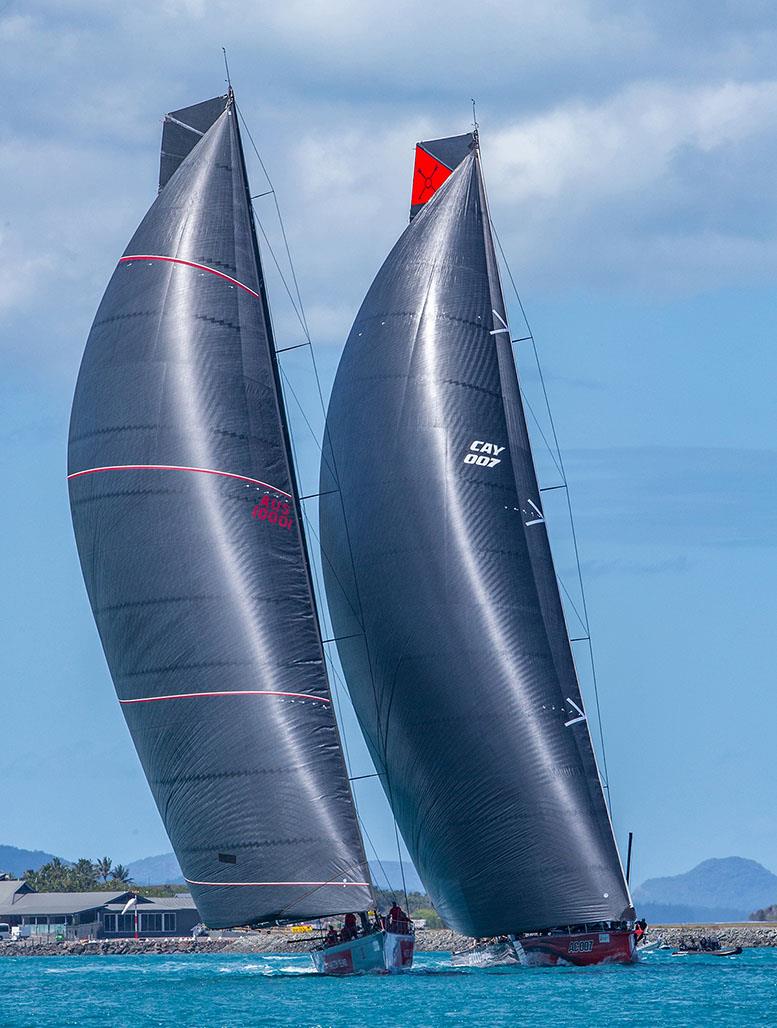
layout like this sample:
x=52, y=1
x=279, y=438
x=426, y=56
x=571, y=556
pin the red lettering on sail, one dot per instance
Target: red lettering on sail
x=274, y=512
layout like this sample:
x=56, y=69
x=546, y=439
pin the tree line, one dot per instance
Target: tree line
x=83, y=875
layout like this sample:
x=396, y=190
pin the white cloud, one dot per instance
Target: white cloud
x=626, y=142
x=599, y=175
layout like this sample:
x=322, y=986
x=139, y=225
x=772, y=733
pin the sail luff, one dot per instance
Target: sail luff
x=538, y=540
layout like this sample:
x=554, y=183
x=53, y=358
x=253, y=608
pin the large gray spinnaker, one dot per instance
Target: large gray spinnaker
x=188, y=529
x=441, y=585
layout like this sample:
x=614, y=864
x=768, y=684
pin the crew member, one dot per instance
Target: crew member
x=350, y=924
x=398, y=919
x=330, y=939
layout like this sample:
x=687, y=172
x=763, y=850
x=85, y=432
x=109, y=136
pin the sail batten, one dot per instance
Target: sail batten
x=184, y=507
x=463, y=686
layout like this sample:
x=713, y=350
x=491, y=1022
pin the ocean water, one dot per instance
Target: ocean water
x=214, y=990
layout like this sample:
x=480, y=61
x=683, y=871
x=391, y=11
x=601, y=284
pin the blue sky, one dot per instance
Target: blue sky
x=629, y=150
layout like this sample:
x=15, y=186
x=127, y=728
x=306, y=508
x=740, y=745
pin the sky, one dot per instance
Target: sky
x=629, y=149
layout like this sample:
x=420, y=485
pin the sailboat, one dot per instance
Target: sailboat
x=444, y=597
x=188, y=525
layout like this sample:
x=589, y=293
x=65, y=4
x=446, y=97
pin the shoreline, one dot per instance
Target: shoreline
x=745, y=934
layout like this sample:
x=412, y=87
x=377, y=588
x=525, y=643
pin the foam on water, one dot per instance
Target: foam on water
x=283, y=990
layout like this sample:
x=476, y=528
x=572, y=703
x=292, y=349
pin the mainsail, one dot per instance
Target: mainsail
x=188, y=528
x=442, y=588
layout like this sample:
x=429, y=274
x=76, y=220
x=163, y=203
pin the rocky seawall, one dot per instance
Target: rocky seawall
x=745, y=934
x=427, y=940
x=265, y=941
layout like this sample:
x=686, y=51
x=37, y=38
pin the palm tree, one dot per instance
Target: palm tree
x=121, y=875
x=103, y=866
x=83, y=875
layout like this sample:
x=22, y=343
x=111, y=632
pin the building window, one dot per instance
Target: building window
x=151, y=922
x=119, y=923
x=169, y=922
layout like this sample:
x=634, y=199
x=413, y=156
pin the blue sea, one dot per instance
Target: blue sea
x=214, y=990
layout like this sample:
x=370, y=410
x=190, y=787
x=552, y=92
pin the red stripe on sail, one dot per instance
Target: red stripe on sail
x=179, y=467
x=228, y=692
x=188, y=264
x=253, y=885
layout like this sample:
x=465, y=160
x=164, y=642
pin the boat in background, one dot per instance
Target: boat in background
x=732, y=951
x=187, y=519
x=444, y=597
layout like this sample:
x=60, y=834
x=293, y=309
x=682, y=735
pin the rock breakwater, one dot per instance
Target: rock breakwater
x=278, y=941
x=265, y=941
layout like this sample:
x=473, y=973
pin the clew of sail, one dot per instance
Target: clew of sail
x=441, y=587
x=185, y=514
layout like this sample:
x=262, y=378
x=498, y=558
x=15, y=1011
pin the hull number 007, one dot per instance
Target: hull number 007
x=485, y=455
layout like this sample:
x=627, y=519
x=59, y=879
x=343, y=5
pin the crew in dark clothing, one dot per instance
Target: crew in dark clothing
x=398, y=920
x=350, y=925
x=330, y=939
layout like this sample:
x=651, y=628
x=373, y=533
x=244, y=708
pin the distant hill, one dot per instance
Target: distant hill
x=16, y=861
x=393, y=872
x=165, y=870
x=720, y=889
x=767, y=914
x=160, y=870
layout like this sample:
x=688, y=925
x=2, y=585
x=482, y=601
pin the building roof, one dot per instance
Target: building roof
x=148, y=903
x=59, y=902
x=19, y=898
x=7, y=892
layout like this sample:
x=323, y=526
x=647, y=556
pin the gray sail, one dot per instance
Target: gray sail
x=183, y=501
x=441, y=584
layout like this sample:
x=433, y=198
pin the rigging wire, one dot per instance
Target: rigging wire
x=560, y=465
x=401, y=866
x=336, y=680
x=301, y=317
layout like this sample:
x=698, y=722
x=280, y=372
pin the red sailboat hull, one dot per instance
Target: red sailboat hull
x=577, y=948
